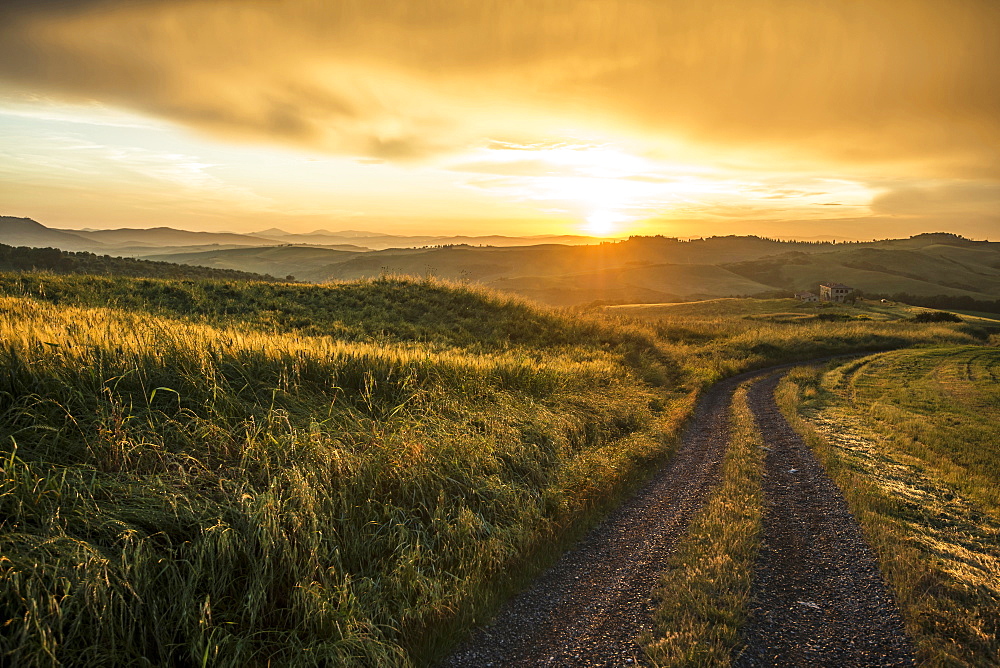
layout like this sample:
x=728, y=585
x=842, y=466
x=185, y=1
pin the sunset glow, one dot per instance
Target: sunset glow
x=603, y=223
x=603, y=118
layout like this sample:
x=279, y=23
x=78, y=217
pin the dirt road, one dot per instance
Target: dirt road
x=818, y=598
x=589, y=609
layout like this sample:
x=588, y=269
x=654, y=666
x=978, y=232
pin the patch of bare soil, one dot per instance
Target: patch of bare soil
x=817, y=598
x=589, y=609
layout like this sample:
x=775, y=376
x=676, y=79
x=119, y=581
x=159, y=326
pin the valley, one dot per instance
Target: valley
x=551, y=270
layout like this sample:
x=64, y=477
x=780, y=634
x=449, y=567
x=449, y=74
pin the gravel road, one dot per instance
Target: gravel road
x=590, y=606
x=818, y=598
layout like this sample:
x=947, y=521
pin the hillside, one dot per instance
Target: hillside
x=657, y=269
x=224, y=487
x=638, y=270
x=299, y=261
x=18, y=259
x=632, y=284
x=658, y=256
x=165, y=236
x=146, y=241
x=959, y=269
x=305, y=474
x=27, y=232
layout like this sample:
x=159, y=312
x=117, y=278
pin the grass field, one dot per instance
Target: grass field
x=731, y=307
x=911, y=437
x=720, y=337
x=181, y=493
x=231, y=473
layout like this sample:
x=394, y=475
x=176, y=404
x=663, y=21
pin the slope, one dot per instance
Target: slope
x=23, y=259
x=27, y=232
x=303, y=262
x=930, y=270
x=662, y=282
x=183, y=490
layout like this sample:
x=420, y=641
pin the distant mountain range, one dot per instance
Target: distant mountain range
x=136, y=242
x=641, y=269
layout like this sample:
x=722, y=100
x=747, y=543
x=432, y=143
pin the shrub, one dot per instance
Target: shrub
x=936, y=316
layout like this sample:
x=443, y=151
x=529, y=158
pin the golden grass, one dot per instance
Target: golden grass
x=236, y=473
x=188, y=493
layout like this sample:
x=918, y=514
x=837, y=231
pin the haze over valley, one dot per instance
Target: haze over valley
x=549, y=270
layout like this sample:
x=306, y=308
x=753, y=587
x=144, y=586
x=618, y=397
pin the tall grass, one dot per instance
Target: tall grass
x=227, y=473
x=177, y=493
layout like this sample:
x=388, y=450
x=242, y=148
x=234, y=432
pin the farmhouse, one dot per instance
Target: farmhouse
x=834, y=292
x=806, y=297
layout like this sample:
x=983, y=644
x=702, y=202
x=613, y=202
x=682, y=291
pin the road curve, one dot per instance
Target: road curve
x=817, y=598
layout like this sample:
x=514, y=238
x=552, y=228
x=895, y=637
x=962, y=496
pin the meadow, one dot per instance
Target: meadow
x=231, y=473
x=911, y=438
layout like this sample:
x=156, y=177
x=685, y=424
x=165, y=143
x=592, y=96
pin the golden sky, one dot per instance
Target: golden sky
x=878, y=117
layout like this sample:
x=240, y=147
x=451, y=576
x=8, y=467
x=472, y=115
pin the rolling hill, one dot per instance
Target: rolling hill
x=135, y=242
x=952, y=269
x=165, y=236
x=637, y=270
x=16, y=231
x=656, y=269
x=54, y=261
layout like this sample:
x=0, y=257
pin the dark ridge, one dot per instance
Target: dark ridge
x=53, y=260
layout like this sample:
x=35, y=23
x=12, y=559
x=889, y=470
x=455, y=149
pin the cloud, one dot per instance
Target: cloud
x=509, y=167
x=905, y=84
x=949, y=199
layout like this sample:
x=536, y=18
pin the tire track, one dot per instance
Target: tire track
x=818, y=598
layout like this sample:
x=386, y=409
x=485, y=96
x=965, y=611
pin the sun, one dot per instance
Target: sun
x=603, y=223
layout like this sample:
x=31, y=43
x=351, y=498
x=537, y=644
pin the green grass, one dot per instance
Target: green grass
x=231, y=473
x=710, y=308
x=910, y=437
x=175, y=491
x=722, y=337
x=731, y=307
x=979, y=315
x=705, y=591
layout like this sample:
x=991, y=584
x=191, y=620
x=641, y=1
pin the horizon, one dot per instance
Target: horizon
x=602, y=119
x=365, y=234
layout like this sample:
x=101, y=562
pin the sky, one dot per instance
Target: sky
x=852, y=119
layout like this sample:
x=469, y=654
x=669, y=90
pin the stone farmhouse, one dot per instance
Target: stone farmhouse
x=834, y=292
x=806, y=296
